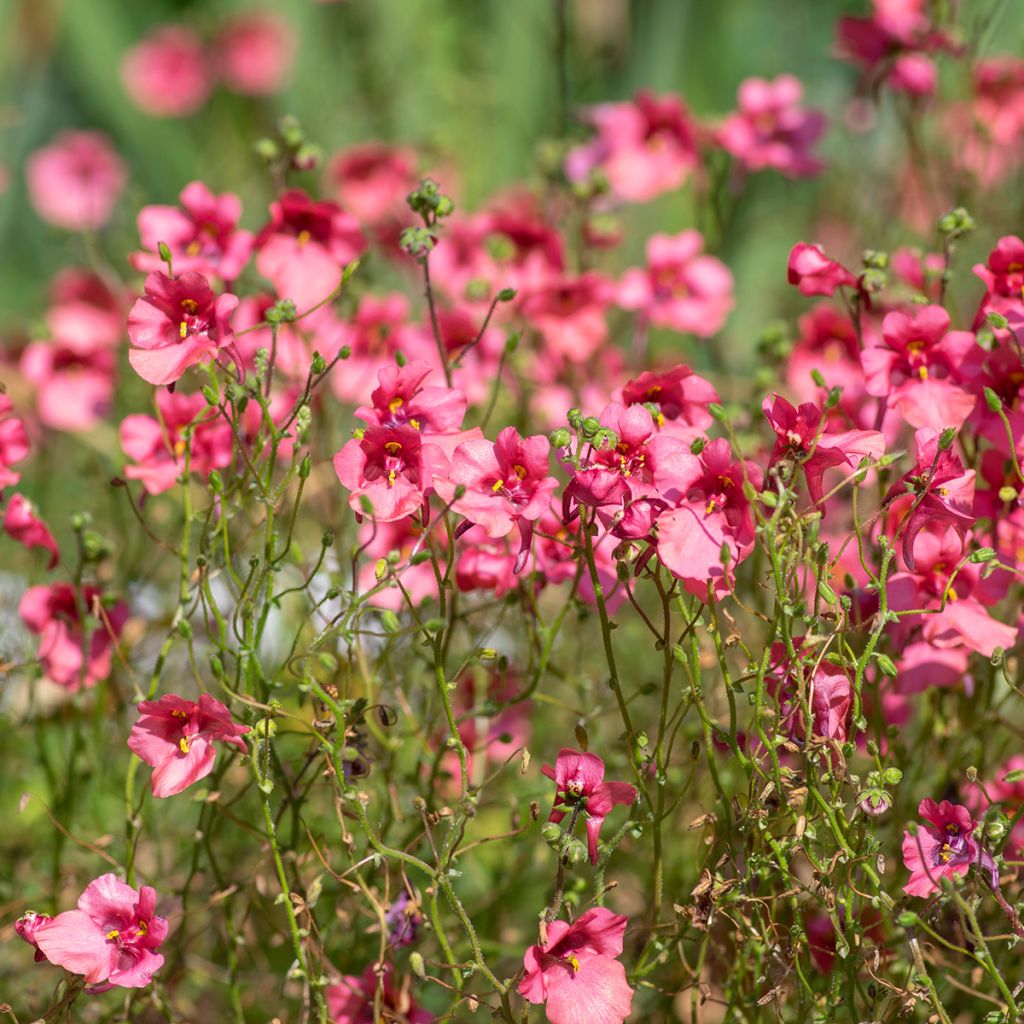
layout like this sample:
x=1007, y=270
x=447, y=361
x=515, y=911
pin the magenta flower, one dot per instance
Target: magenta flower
x=581, y=790
x=803, y=435
x=575, y=971
x=644, y=148
x=179, y=322
x=13, y=443
x=680, y=288
x=168, y=74
x=772, y=130
x=74, y=183
x=22, y=523
x=943, y=848
x=202, y=234
x=254, y=52
x=351, y=1000
x=53, y=613
x=110, y=939
x=305, y=247
x=392, y=467
x=506, y=485
x=176, y=738
x=814, y=273
x=157, y=446
x=923, y=366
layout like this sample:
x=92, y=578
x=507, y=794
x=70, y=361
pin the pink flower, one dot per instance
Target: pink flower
x=681, y=396
x=53, y=613
x=803, y=435
x=351, y=1000
x=168, y=74
x=305, y=247
x=110, y=939
x=772, y=130
x=643, y=148
x=487, y=565
x=569, y=314
x=373, y=179
x=575, y=971
x=814, y=273
x=400, y=399
x=13, y=443
x=27, y=926
x=178, y=322
x=506, y=485
x=22, y=523
x=75, y=182
x=709, y=513
x=176, y=738
x=943, y=848
x=828, y=693
x=923, y=366
x=157, y=447
x=202, y=234
x=1000, y=790
x=679, y=288
x=254, y=52
x=390, y=467
x=581, y=790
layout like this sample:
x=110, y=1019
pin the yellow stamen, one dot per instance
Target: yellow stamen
x=395, y=404
x=303, y=238
x=519, y=471
x=392, y=447
x=183, y=744
x=194, y=248
x=391, y=478
x=113, y=934
x=179, y=450
x=190, y=306
x=415, y=424
x=177, y=713
x=497, y=485
x=922, y=372
x=143, y=927
x=710, y=507
x=574, y=962
x=183, y=329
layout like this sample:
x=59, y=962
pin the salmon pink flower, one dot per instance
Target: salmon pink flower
x=176, y=738
x=506, y=485
x=254, y=52
x=569, y=314
x=202, y=234
x=352, y=1000
x=306, y=245
x=22, y=523
x=53, y=613
x=644, y=148
x=373, y=179
x=401, y=399
x=772, y=130
x=680, y=395
x=575, y=971
x=391, y=467
x=178, y=322
x=581, y=790
x=167, y=74
x=157, y=447
x=814, y=273
x=803, y=435
x=74, y=183
x=828, y=690
x=923, y=367
x=680, y=288
x=944, y=847
x=13, y=443
x=111, y=939
x=707, y=512
x=486, y=565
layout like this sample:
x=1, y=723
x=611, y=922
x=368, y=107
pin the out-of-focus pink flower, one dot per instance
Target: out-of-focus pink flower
x=352, y=1000
x=582, y=791
x=814, y=273
x=827, y=343
x=373, y=179
x=22, y=523
x=176, y=738
x=569, y=314
x=53, y=613
x=202, y=234
x=27, y=925
x=178, y=322
x=575, y=972
x=75, y=182
x=771, y=130
x=157, y=447
x=999, y=99
x=167, y=73
x=13, y=443
x=506, y=483
x=1003, y=787
x=305, y=246
x=254, y=52
x=487, y=565
x=390, y=467
x=111, y=939
x=828, y=693
x=803, y=435
x=680, y=288
x=924, y=367
x=644, y=148
x=942, y=848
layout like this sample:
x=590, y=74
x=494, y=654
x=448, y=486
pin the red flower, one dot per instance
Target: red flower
x=575, y=971
x=581, y=790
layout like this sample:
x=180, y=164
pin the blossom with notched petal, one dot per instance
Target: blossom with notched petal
x=944, y=847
